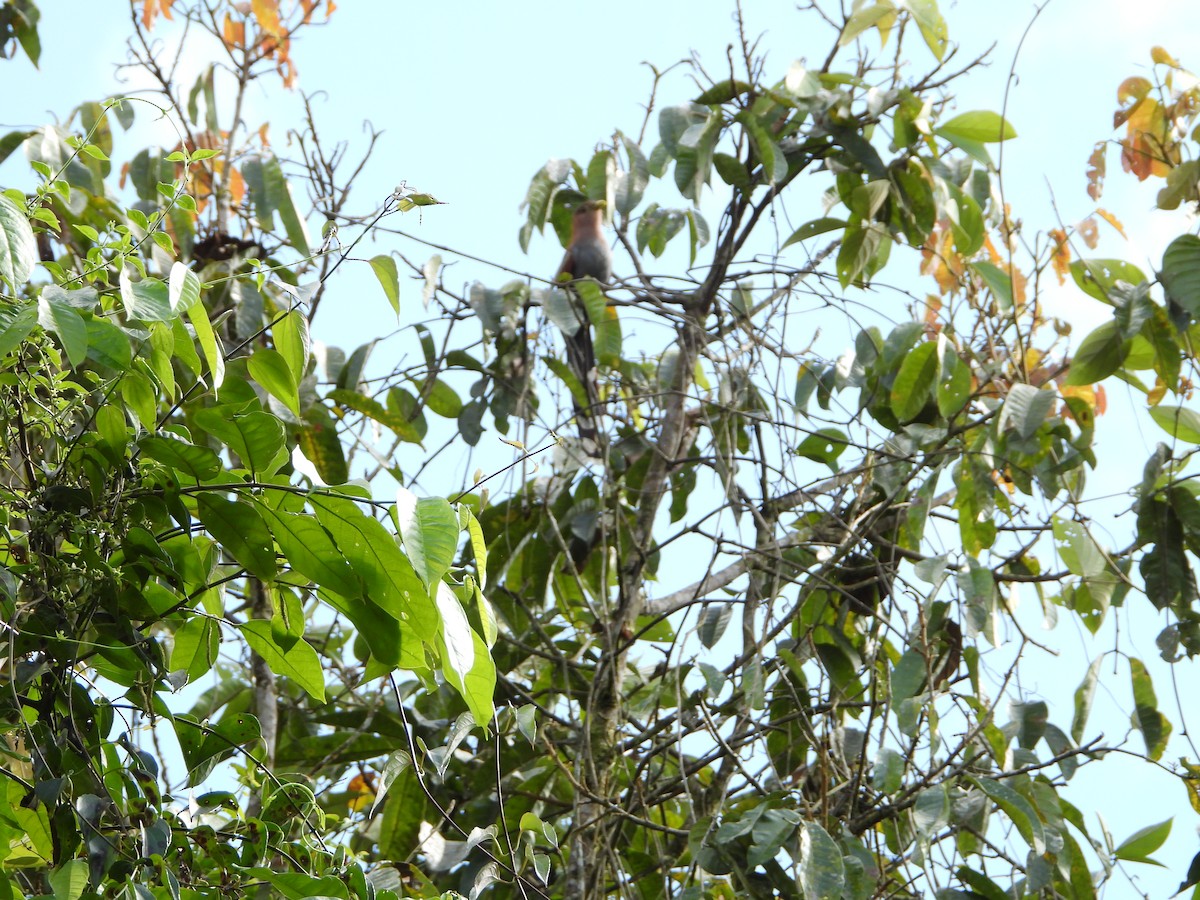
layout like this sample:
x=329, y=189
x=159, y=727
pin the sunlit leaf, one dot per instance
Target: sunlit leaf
x=241, y=531
x=979, y=125
x=299, y=662
x=385, y=270
x=18, y=248
x=429, y=529
x=822, y=872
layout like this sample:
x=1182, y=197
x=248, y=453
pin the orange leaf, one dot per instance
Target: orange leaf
x=1113, y=221
x=1134, y=88
x=1148, y=146
x=234, y=33
x=993, y=253
x=1095, y=170
x=237, y=187
x=938, y=257
x=262, y=134
x=1061, y=257
x=1019, y=282
x=151, y=9
x=361, y=792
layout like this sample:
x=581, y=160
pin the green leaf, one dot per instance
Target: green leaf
x=1181, y=273
x=712, y=623
x=70, y=880
x=318, y=441
x=299, y=662
x=1084, y=695
x=18, y=247
x=149, y=300
x=196, y=645
x=256, y=437
x=389, y=279
x=1139, y=845
x=199, y=462
x=607, y=340
x=1028, y=823
x=138, y=393
x=998, y=281
x=1026, y=408
x=16, y=323
x=282, y=200
x=822, y=872
x=967, y=226
x=731, y=170
x=881, y=15
x=388, y=577
x=478, y=545
x=914, y=382
x=442, y=399
x=108, y=345
x=825, y=446
x=311, y=551
x=931, y=812
x=197, y=314
x=204, y=745
x=908, y=675
x=292, y=340
x=1097, y=277
x=724, y=91
x=429, y=530
x=982, y=126
x=64, y=323
x=1146, y=717
x=1099, y=355
x=859, y=249
x=933, y=27
x=184, y=290
x=1078, y=549
x=954, y=382
x=465, y=659
x=814, y=228
x=240, y=530
x=271, y=370
x=1178, y=421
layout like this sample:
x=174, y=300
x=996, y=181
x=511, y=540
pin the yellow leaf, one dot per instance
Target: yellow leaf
x=1155, y=394
x=1159, y=55
x=1113, y=221
x=267, y=14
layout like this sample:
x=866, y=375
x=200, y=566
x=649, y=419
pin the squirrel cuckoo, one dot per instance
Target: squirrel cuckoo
x=587, y=256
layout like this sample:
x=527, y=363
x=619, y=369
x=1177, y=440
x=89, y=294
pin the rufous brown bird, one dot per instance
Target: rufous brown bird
x=588, y=256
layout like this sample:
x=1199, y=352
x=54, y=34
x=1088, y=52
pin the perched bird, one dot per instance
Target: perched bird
x=588, y=256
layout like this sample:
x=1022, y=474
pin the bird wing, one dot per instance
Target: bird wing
x=567, y=267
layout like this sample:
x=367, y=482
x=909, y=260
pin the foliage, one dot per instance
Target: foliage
x=155, y=386
x=765, y=642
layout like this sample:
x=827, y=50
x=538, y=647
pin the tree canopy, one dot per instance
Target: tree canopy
x=767, y=632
